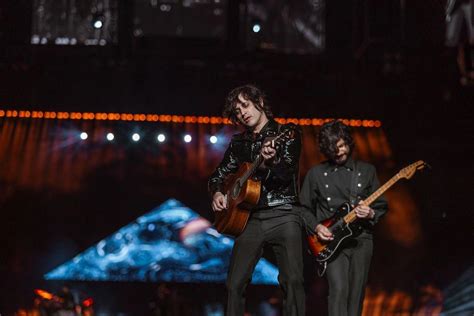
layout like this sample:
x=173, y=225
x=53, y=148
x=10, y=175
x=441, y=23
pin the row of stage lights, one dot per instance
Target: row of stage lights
x=161, y=138
x=169, y=118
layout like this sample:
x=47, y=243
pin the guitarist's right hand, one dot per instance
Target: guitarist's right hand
x=323, y=232
x=219, y=202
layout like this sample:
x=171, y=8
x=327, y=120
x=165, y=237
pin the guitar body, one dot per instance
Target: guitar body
x=324, y=250
x=241, y=196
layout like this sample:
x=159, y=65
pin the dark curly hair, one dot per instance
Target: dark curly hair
x=251, y=93
x=330, y=133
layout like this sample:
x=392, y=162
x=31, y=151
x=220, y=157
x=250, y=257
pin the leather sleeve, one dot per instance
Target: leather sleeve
x=228, y=165
x=286, y=163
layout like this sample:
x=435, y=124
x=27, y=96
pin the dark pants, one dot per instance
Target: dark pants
x=283, y=235
x=347, y=275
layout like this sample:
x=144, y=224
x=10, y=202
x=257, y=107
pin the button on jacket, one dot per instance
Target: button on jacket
x=279, y=179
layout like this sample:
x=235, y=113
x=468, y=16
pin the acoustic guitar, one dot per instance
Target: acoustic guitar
x=242, y=192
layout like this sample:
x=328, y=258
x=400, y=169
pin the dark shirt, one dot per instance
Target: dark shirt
x=327, y=186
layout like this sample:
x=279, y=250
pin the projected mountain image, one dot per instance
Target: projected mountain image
x=171, y=243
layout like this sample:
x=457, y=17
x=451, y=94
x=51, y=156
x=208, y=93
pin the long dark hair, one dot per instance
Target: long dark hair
x=330, y=133
x=251, y=93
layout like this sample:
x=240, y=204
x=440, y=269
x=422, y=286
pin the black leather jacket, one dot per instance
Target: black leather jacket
x=279, y=180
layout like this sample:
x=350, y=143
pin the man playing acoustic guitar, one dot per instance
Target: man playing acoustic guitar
x=329, y=185
x=272, y=223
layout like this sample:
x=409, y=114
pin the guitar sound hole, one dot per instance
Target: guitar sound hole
x=236, y=189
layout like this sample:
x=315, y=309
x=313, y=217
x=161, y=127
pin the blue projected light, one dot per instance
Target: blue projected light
x=171, y=243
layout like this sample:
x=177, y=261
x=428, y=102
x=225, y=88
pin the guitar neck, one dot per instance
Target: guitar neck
x=258, y=161
x=252, y=168
x=351, y=216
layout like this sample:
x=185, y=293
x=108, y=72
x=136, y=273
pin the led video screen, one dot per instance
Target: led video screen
x=171, y=243
x=180, y=18
x=73, y=22
x=296, y=27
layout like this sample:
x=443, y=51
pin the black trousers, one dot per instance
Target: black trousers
x=347, y=275
x=283, y=235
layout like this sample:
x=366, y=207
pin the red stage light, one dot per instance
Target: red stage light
x=88, y=302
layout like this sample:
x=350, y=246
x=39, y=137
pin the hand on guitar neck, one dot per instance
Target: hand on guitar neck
x=268, y=152
x=364, y=211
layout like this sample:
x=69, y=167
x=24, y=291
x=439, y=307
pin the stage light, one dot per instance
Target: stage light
x=256, y=28
x=98, y=20
x=213, y=139
x=188, y=138
x=84, y=135
x=135, y=137
x=98, y=24
x=172, y=118
x=44, y=294
x=165, y=7
x=110, y=136
x=88, y=302
x=161, y=138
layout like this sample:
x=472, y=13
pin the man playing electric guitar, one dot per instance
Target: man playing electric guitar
x=272, y=222
x=329, y=185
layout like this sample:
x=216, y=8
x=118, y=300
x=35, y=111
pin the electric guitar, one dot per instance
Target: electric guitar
x=340, y=224
x=242, y=193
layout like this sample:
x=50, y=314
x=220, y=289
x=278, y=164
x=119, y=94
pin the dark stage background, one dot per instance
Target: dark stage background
x=374, y=60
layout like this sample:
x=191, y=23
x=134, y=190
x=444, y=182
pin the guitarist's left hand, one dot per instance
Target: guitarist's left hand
x=268, y=151
x=364, y=211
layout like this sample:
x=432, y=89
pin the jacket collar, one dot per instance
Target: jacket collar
x=349, y=164
x=269, y=129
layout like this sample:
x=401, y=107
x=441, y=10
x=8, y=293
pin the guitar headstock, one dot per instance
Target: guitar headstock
x=410, y=170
